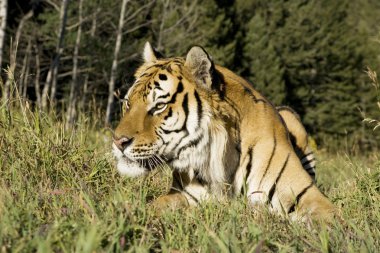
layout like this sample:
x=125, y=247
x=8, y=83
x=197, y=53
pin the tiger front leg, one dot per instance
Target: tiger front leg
x=185, y=191
x=172, y=201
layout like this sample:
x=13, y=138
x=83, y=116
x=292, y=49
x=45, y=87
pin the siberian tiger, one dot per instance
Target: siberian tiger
x=219, y=135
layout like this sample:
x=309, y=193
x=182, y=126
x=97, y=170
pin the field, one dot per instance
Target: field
x=60, y=192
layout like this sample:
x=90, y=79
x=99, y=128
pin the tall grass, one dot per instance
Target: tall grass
x=59, y=192
x=375, y=83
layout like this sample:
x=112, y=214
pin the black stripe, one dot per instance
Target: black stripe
x=194, y=198
x=155, y=66
x=180, y=87
x=193, y=142
x=293, y=207
x=308, y=161
x=217, y=81
x=273, y=188
x=255, y=99
x=170, y=131
x=249, y=165
x=199, y=178
x=270, y=159
x=185, y=107
x=233, y=106
x=179, y=90
x=157, y=85
x=162, y=138
x=304, y=156
x=248, y=170
x=238, y=147
x=199, y=106
x=287, y=108
x=178, y=181
x=170, y=113
x=169, y=69
x=163, y=96
x=146, y=74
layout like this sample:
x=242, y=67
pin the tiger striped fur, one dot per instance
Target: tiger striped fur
x=299, y=138
x=219, y=135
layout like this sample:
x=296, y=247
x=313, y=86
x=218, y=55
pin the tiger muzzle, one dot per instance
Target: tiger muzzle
x=123, y=142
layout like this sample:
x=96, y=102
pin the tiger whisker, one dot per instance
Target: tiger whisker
x=155, y=162
x=151, y=163
x=159, y=162
x=163, y=162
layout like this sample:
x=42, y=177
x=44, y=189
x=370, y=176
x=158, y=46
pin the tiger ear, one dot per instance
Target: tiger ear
x=200, y=66
x=150, y=54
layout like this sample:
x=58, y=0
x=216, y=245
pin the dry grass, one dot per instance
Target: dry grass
x=375, y=83
x=60, y=193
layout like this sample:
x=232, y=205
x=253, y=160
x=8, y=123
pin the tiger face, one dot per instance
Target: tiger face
x=164, y=116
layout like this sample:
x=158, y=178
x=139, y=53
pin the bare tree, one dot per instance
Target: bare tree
x=23, y=83
x=111, y=84
x=71, y=110
x=87, y=75
x=3, y=21
x=179, y=17
x=13, y=55
x=51, y=79
x=37, y=77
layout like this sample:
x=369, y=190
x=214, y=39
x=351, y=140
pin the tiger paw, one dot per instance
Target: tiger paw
x=169, y=202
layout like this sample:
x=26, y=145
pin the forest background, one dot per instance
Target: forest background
x=313, y=55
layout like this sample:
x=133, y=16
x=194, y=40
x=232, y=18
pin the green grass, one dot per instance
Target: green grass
x=60, y=192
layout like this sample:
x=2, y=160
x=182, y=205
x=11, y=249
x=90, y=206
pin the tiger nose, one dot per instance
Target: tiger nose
x=123, y=142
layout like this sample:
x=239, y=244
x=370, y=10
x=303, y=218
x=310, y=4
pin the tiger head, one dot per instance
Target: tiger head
x=166, y=113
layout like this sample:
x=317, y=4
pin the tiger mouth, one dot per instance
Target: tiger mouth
x=149, y=163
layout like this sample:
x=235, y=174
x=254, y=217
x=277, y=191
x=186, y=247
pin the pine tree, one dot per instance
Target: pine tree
x=262, y=60
x=222, y=32
x=324, y=63
x=307, y=54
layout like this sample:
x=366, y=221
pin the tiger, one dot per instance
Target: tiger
x=220, y=137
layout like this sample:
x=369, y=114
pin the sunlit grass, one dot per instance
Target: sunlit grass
x=59, y=192
x=375, y=83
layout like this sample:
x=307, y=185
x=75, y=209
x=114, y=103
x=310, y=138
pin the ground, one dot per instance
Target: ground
x=60, y=192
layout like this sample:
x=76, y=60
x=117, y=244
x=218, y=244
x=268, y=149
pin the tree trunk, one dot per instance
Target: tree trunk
x=71, y=110
x=87, y=76
x=13, y=55
x=115, y=63
x=51, y=79
x=37, y=78
x=3, y=22
x=26, y=69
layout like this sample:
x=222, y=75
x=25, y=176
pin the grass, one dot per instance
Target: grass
x=60, y=192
